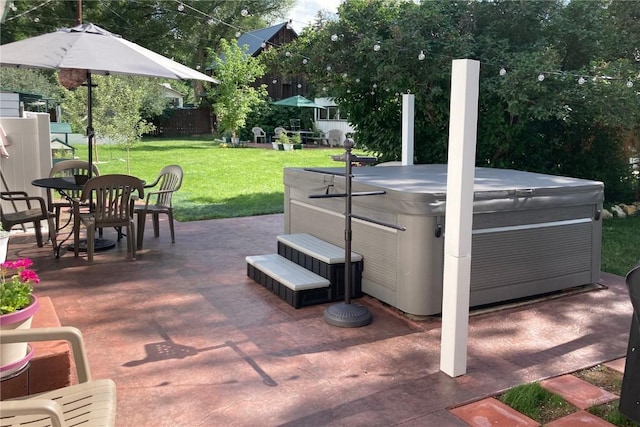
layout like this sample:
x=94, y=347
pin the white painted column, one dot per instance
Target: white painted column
x=465, y=78
x=408, y=118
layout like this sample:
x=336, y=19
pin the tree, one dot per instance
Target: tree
x=234, y=97
x=117, y=105
x=556, y=89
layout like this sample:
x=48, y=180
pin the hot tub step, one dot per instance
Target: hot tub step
x=324, y=259
x=291, y=282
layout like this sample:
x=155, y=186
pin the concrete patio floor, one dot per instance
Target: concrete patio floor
x=191, y=341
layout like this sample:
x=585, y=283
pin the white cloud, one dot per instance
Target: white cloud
x=304, y=12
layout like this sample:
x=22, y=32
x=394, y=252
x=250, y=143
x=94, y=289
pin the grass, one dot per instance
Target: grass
x=537, y=402
x=234, y=182
x=543, y=406
x=620, y=244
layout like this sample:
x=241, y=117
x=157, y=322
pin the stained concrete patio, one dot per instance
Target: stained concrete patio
x=191, y=341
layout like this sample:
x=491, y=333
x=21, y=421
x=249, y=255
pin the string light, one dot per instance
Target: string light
x=263, y=44
x=421, y=56
x=238, y=34
x=287, y=54
x=334, y=37
x=540, y=77
x=289, y=25
x=629, y=84
x=244, y=12
x=305, y=61
x=503, y=72
x=274, y=81
x=181, y=7
x=376, y=47
x=581, y=81
x=211, y=21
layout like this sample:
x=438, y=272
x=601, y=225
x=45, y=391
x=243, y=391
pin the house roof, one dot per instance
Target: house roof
x=254, y=39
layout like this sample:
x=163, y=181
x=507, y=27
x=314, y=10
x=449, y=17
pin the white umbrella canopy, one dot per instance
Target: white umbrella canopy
x=88, y=49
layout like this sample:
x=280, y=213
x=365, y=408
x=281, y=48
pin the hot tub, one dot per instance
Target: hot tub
x=532, y=233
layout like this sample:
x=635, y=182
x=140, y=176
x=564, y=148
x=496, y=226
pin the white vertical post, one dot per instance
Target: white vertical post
x=465, y=78
x=408, y=117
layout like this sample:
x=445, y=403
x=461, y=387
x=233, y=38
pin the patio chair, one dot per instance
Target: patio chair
x=259, y=135
x=35, y=212
x=631, y=379
x=277, y=131
x=158, y=201
x=335, y=137
x=67, y=168
x=295, y=124
x=112, y=198
x=90, y=402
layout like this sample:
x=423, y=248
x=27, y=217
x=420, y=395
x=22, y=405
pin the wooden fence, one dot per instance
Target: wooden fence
x=185, y=121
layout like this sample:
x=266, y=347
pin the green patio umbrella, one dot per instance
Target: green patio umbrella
x=297, y=101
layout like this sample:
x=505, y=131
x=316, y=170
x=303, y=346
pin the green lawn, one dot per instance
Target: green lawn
x=232, y=182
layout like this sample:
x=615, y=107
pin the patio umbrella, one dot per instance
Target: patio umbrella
x=88, y=49
x=297, y=101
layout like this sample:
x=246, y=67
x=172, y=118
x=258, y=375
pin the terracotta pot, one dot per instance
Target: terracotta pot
x=14, y=357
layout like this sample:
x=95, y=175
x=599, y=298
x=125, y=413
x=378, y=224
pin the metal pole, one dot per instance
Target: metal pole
x=345, y=314
x=90, y=132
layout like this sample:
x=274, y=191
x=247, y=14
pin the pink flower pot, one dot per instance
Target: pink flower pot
x=15, y=356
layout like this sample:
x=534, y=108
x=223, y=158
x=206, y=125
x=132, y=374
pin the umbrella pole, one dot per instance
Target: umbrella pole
x=90, y=132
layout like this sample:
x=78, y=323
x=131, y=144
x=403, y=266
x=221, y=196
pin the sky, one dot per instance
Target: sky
x=304, y=11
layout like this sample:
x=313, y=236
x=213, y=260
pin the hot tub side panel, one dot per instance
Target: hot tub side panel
x=517, y=254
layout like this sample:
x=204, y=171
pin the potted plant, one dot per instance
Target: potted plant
x=284, y=142
x=18, y=304
x=296, y=141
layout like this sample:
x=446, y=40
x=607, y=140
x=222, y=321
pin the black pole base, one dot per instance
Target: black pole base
x=347, y=315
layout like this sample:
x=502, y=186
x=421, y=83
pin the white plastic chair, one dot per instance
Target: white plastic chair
x=259, y=134
x=90, y=402
x=335, y=137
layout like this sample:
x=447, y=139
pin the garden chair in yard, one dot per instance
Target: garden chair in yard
x=67, y=168
x=631, y=381
x=112, y=199
x=335, y=137
x=158, y=201
x=90, y=402
x=259, y=135
x=35, y=212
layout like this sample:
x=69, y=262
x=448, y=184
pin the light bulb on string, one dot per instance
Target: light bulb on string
x=376, y=47
x=299, y=85
x=334, y=37
x=238, y=34
x=36, y=19
x=287, y=54
x=211, y=21
x=328, y=67
x=345, y=75
x=324, y=88
x=629, y=84
x=358, y=80
x=540, y=77
x=263, y=44
x=289, y=24
x=274, y=81
x=503, y=72
x=304, y=61
x=13, y=7
x=581, y=81
x=421, y=56
x=180, y=7
x=244, y=12
x=375, y=86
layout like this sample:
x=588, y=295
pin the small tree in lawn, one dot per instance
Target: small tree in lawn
x=234, y=97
